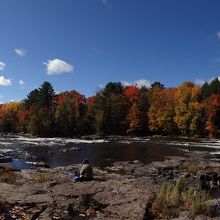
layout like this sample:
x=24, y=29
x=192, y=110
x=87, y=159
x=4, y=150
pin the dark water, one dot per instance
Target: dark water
x=60, y=151
x=104, y=154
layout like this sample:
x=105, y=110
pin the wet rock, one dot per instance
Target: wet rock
x=71, y=146
x=207, y=180
x=165, y=171
x=38, y=164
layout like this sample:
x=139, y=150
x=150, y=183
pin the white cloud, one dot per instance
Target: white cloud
x=57, y=66
x=2, y=65
x=140, y=83
x=21, y=82
x=211, y=79
x=199, y=82
x=143, y=82
x=107, y=3
x=20, y=52
x=126, y=83
x=4, y=81
x=57, y=92
x=101, y=86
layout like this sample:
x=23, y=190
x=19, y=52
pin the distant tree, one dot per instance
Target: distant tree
x=212, y=105
x=214, y=86
x=9, y=117
x=32, y=98
x=210, y=88
x=90, y=123
x=112, y=87
x=161, y=113
x=40, y=102
x=46, y=95
x=111, y=109
x=142, y=109
x=157, y=86
x=187, y=108
x=205, y=91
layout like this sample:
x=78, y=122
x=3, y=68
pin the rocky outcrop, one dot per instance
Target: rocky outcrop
x=52, y=194
x=123, y=191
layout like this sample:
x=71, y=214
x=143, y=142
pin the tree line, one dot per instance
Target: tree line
x=187, y=110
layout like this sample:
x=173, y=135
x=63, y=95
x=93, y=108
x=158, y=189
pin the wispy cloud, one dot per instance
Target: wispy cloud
x=20, y=52
x=199, y=82
x=218, y=34
x=212, y=78
x=57, y=66
x=21, y=82
x=140, y=83
x=4, y=81
x=2, y=65
x=107, y=3
x=101, y=86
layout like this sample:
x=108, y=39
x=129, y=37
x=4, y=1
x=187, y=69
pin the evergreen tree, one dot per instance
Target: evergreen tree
x=142, y=109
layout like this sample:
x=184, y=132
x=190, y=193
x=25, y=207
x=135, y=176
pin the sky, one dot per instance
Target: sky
x=84, y=44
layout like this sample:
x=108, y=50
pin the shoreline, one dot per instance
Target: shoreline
x=124, y=190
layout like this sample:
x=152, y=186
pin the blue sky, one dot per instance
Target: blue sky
x=84, y=44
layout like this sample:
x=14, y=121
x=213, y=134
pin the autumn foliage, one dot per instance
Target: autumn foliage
x=187, y=110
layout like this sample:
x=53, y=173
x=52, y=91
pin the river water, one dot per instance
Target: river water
x=103, y=152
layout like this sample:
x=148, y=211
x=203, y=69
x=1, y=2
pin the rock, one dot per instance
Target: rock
x=165, y=171
x=207, y=179
x=214, y=206
x=38, y=164
x=123, y=191
x=201, y=217
x=71, y=146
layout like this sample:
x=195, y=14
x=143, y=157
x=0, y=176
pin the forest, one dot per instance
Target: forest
x=187, y=110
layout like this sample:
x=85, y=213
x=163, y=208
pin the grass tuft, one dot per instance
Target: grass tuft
x=192, y=167
x=173, y=198
x=7, y=175
x=44, y=177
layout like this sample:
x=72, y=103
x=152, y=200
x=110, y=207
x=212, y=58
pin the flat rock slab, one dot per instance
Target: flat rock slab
x=110, y=197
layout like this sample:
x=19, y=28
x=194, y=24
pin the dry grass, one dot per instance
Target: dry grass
x=43, y=177
x=171, y=199
x=7, y=175
x=193, y=167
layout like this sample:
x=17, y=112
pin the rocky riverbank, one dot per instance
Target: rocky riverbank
x=125, y=190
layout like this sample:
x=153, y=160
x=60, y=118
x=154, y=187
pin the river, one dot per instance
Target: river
x=102, y=152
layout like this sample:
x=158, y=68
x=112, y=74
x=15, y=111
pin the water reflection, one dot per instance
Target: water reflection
x=104, y=154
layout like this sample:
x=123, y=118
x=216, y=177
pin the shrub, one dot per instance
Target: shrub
x=173, y=198
x=168, y=199
x=194, y=201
